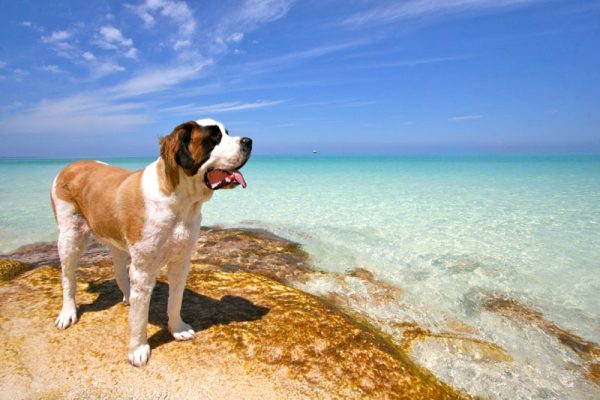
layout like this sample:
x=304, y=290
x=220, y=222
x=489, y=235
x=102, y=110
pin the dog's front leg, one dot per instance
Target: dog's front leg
x=177, y=273
x=142, y=281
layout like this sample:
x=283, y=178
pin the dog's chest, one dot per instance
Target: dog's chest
x=169, y=234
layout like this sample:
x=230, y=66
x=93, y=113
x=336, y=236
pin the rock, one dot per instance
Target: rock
x=256, y=337
x=587, y=351
x=253, y=250
x=38, y=254
x=460, y=346
x=10, y=269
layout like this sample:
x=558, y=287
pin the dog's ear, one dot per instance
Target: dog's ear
x=175, y=153
x=184, y=157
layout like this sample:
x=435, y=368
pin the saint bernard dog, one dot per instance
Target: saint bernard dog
x=148, y=218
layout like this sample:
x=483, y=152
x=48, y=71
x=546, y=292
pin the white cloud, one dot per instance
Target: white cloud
x=109, y=67
x=410, y=63
x=235, y=37
x=31, y=25
x=158, y=79
x=180, y=44
x=76, y=115
x=394, y=11
x=465, y=117
x=221, y=107
x=110, y=37
x=131, y=53
x=52, y=68
x=58, y=41
x=20, y=74
x=99, y=68
x=88, y=56
x=284, y=60
x=249, y=16
x=57, y=36
x=255, y=12
x=177, y=11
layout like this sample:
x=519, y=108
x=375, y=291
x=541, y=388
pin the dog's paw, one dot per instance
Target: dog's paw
x=183, y=332
x=66, y=318
x=139, y=357
x=125, y=301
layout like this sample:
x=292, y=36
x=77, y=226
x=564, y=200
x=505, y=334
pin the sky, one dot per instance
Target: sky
x=108, y=78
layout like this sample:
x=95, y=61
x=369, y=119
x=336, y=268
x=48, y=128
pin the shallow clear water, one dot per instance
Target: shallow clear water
x=446, y=229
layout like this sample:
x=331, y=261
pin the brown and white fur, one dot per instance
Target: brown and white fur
x=148, y=219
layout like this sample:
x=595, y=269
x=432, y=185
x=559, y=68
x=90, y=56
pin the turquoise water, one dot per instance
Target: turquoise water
x=446, y=229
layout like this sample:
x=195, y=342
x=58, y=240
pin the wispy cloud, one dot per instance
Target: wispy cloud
x=340, y=103
x=31, y=25
x=465, y=117
x=104, y=68
x=76, y=115
x=246, y=18
x=60, y=43
x=221, y=107
x=57, y=36
x=52, y=68
x=178, y=12
x=287, y=59
x=88, y=56
x=155, y=80
x=110, y=38
x=410, y=63
x=395, y=11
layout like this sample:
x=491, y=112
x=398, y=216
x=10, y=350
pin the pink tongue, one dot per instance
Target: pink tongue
x=239, y=178
x=217, y=177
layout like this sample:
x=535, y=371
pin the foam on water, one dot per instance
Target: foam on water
x=448, y=230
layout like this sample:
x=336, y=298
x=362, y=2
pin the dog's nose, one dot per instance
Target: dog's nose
x=246, y=142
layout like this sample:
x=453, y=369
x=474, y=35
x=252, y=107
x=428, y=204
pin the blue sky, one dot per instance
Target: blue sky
x=107, y=78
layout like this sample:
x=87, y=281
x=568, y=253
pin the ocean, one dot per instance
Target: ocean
x=448, y=230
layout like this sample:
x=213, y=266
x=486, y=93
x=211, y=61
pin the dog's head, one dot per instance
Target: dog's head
x=203, y=149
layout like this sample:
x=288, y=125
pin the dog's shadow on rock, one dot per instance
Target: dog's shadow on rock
x=201, y=312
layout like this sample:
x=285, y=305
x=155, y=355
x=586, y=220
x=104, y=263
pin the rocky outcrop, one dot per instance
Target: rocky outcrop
x=256, y=336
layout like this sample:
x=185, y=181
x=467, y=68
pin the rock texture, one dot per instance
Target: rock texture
x=256, y=336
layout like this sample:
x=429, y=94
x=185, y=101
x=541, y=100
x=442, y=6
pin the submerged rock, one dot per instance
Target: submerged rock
x=256, y=337
x=587, y=351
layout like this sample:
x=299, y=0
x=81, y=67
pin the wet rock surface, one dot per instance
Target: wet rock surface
x=257, y=337
x=587, y=351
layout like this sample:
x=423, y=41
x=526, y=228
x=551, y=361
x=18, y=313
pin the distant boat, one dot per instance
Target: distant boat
x=315, y=152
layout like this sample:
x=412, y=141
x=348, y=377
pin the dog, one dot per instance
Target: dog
x=148, y=219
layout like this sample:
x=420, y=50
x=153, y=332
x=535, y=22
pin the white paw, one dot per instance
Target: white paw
x=183, y=332
x=66, y=318
x=125, y=301
x=140, y=355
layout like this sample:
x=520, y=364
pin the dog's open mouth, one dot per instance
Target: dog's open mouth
x=222, y=179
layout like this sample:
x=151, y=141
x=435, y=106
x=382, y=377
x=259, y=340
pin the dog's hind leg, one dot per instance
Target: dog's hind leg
x=73, y=233
x=120, y=261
